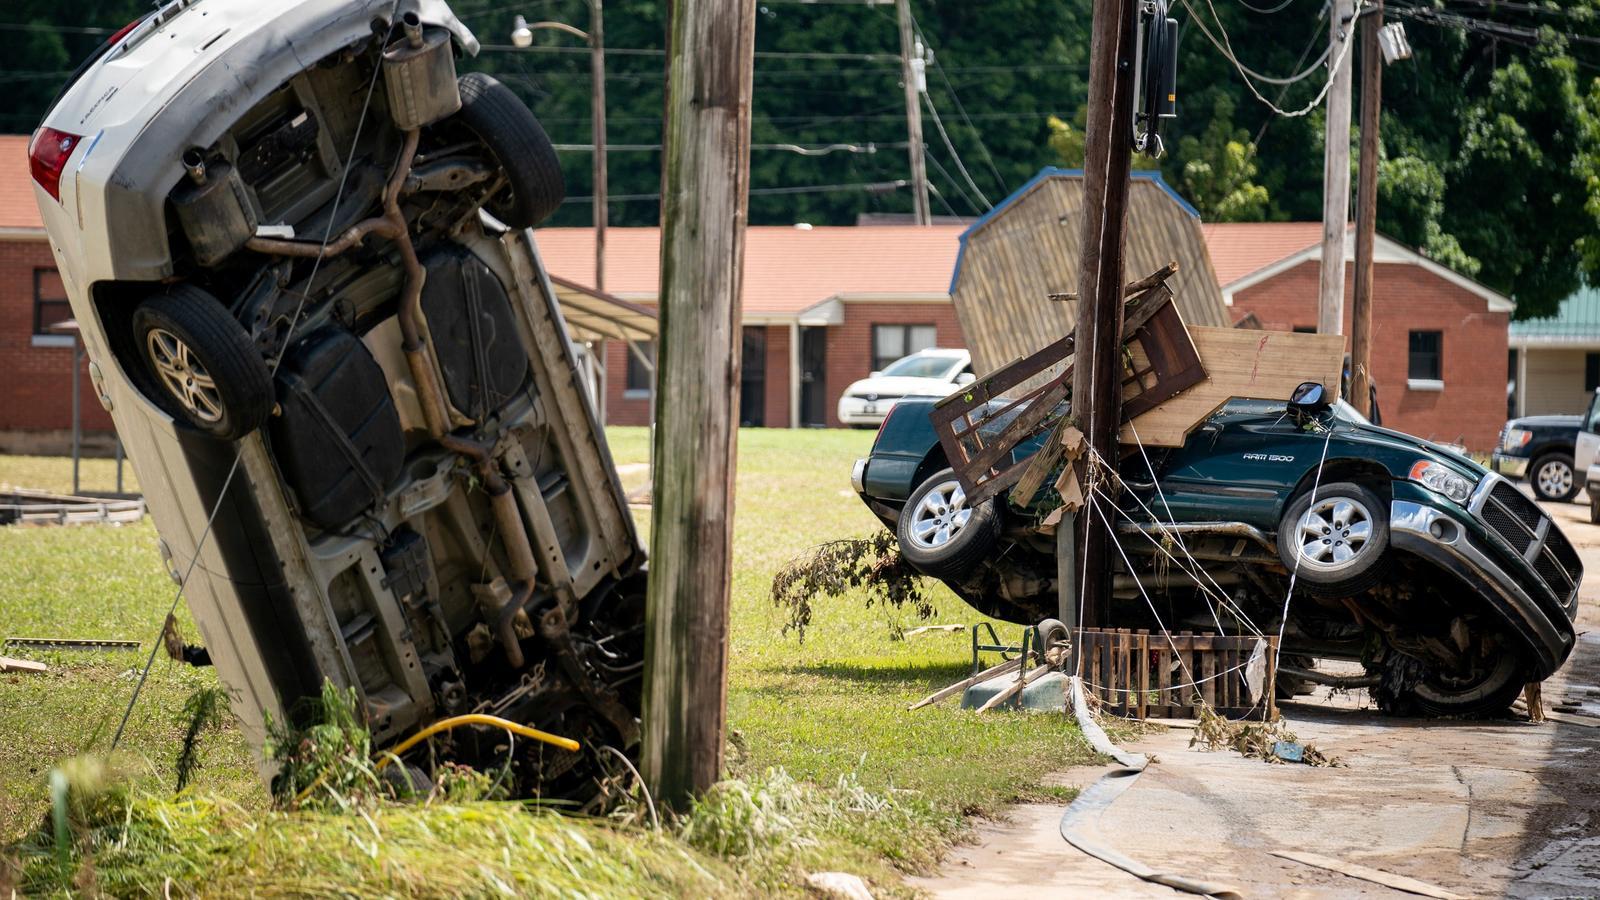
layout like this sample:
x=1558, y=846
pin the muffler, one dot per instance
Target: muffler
x=213, y=208
x=419, y=76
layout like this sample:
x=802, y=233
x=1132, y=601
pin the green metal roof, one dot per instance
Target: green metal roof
x=1578, y=318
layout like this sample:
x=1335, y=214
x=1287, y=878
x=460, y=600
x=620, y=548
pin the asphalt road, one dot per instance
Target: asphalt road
x=1481, y=809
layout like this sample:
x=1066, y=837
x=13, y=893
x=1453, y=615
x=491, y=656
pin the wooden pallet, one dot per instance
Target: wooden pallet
x=1135, y=674
x=980, y=426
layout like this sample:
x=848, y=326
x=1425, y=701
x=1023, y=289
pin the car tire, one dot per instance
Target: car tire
x=517, y=141
x=205, y=369
x=1048, y=633
x=1346, y=558
x=940, y=535
x=1553, y=479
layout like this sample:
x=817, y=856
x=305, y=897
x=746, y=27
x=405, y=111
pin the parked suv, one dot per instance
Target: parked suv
x=1540, y=449
x=1445, y=580
x=297, y=245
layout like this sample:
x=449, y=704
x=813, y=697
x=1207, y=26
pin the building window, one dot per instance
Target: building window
x=640, y=376
x=50, y=306
x=1425, y=366
x=890, y=342
x=1305, y=329
x=1591, y=371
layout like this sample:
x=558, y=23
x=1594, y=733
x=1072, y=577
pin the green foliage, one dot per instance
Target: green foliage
x=1067, y=141
x=1218, y=168
x=872, y=565
x=327, y=762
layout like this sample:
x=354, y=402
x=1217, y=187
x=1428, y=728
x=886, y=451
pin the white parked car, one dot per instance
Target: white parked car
x=297, y=244
x=926, y=373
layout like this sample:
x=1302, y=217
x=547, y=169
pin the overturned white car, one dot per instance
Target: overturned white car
x=296, y=243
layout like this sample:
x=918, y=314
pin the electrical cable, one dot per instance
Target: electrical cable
x=1266, y=12
x=954, y=183
x=945, y=136
x=1226, y=49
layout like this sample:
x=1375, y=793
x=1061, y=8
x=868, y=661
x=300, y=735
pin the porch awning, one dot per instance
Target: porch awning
x=597, y=316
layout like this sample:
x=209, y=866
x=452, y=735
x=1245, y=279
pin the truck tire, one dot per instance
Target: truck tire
x=205, y=369
x=1553, y=478
x=1337, y=543
x=940, y=535
x=517, y=141
x=1411, y=687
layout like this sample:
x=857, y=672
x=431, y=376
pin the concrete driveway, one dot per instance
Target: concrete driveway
x=1481, y=809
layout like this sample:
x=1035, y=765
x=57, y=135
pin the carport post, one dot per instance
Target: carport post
x=1097, y=369
x=704, y=192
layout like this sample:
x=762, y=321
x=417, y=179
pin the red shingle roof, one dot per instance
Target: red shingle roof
x=786, y=269
x=1242, y=248
x=17, y=206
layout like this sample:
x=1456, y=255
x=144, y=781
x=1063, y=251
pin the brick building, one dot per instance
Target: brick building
x=1438, y=337
x=823, y=307
x=36, y=402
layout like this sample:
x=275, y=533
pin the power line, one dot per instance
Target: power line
x=871, y=187
x=1226, y=48
x=818, y=150
x=945, y=136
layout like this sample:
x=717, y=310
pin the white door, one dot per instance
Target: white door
x=1583, y=456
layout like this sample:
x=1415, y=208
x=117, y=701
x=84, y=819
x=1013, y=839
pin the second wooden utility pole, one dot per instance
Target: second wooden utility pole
x=1366, y=214
x=1336, y=172
x=597, y=73
x=704, y=196
x=912, y=72
x=1097, y=365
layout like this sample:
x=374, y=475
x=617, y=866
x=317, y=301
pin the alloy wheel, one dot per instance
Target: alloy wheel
x=184, y=376
x=1554, y=478
x=1333, y=533
x=940, y=515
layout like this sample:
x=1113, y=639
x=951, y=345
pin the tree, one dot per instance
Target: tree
x=1218, y=168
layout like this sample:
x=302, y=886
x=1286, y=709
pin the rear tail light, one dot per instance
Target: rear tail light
x=48, y=153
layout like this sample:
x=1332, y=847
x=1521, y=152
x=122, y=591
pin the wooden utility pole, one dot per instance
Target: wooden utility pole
x=597, y=74
x=1366, y=213
x=710, y=54
x=1097, y=366
x=913, y=74
x=1336, y=172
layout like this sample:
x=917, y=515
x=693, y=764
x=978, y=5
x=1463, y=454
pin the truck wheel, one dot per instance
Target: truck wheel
x=940, y=535
x=1338, y=542
x=516, y=140
x=207, y=371
x=1552, y=478
x=1412, y=687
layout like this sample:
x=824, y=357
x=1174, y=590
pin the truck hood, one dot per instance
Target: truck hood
x=1399, y=439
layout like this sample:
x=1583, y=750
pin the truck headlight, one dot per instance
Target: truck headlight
x=1442, y=479
x=1516, y=437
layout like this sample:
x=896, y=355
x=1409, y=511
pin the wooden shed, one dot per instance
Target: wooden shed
x=1029, y=246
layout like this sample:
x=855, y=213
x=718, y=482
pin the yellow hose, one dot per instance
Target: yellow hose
x=446, y=725
x=477, y=719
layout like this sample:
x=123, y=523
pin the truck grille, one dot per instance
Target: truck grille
x=1516, y=519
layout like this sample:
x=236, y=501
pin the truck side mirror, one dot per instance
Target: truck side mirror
x=965, y=378
x=1309, y=397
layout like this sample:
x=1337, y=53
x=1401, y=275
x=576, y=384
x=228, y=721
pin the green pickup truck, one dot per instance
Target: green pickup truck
x=1451, y=586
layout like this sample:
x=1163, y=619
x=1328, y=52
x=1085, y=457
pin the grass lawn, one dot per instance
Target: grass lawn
x=832, y=706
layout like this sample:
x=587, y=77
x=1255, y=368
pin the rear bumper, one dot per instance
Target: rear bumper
x=1509, y=466
x=1536, y=614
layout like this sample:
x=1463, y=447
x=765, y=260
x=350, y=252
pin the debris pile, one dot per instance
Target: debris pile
x=1269, y=741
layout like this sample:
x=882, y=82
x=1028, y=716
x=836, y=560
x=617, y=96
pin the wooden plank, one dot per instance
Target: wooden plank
x=1206, y=676
x=27, y=666
x=1265, y=365
x=1271, y=682
x=1164, y=675
x=1144, y=674
x=965, y=683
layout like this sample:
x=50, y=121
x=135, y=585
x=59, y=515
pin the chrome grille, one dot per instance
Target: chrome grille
x=1517, y=520
x=1506, y=525
x=1518, y=504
